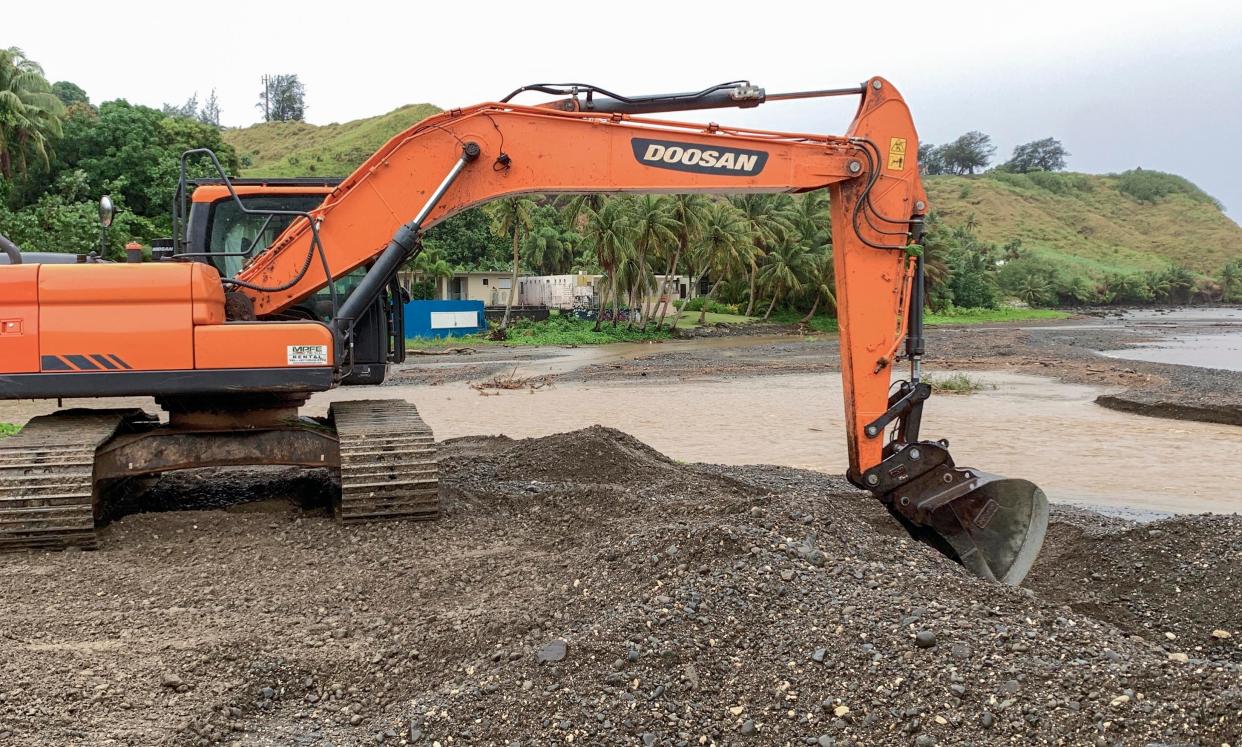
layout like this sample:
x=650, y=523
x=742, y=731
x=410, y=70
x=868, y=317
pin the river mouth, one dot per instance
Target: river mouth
x=1204, y=338
x=1026, y=426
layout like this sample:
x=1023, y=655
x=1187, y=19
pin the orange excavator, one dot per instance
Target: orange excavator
x=231, y=333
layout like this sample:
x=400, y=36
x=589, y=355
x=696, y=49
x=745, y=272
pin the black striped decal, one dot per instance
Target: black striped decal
x=83, y=362
x=104, y=361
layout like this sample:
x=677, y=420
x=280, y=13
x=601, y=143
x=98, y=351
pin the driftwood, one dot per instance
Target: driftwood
x=441, y=351
x=511, y=381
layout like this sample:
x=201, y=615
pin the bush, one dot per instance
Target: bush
x=1152, y=186
x=8, y=429
x=713, y=307
x=1059, y=183
x=958, y=383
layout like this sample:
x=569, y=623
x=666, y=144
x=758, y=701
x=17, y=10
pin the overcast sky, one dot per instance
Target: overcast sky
x=1150, y=84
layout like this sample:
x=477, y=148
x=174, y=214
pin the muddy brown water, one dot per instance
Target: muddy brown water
x=1027, y=426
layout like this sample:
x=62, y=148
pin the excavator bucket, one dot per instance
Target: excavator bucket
x=992, y=525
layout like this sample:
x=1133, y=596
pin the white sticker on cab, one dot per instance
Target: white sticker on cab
x=308, y=355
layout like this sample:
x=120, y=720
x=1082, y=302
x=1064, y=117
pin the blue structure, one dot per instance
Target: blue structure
x=443, y=318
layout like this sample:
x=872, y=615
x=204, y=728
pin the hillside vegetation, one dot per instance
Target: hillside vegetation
x=1139, y=221
x=1117, y=223
x=300, y=149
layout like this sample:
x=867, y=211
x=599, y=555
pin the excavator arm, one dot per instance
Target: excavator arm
x=465, y=157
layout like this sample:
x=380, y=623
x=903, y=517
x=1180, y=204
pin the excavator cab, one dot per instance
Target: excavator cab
x=221, y=233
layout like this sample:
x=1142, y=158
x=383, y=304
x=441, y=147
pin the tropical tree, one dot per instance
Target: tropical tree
x=577, y=209
x=813, y=220
x=785, y=269
x=1039, y=155
x=655, y=229
x=609, y=231
x=548, y=249
x=771, y=218
x=1231, y=281
x=820, y=283
x=971, y=151
x=726, y=246
x=1034, y=289
x=429, y=266
x=30, y=113
x=511, y=218
x=689, y=212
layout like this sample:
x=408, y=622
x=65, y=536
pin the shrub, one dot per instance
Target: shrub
x=1152, y=186
x=713, y=307
x=958, y=383
x=1059, y=183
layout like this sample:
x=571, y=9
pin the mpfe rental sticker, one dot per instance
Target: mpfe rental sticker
x=308, y=355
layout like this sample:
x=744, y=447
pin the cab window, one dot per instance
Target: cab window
x=232, y=230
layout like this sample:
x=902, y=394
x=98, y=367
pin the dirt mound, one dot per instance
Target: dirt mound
x=1169, y=581
x=605, y=597
x=592, y=455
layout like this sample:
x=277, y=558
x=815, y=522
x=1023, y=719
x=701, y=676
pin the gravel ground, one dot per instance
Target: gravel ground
x=583, y=589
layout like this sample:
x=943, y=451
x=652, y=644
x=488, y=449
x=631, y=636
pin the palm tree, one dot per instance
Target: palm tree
x=29, y=112
x=655, y=229
x=430, y=265
x=1034, y=289
x=771, y=218
x=511, y=217
x=784, y=270
x=549, y=249
x=726, y=246
x=814, y=220
x=1231, y=281
x=820, y=283
x=689, y=211
x=610, y=233
x=935, y=258
x=576, y=210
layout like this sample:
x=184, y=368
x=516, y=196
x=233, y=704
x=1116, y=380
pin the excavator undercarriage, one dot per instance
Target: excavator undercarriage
x=57, y=473
x=232, y=341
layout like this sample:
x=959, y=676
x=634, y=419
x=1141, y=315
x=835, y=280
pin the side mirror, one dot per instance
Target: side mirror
x=107, y=211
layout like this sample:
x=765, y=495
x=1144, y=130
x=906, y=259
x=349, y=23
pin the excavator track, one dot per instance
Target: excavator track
x=388, y=462
x=46, y=479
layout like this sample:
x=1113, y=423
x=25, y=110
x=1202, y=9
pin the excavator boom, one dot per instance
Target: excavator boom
x=595, y=141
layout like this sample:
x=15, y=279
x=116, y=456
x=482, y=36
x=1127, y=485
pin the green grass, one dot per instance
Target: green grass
x=300, y=149
x=958, y=383
x=1121, y=223
x=819, y=322
x=563, y=330
x=987, y=316
x=8, y=429
x=690, y=319
x=557, y=330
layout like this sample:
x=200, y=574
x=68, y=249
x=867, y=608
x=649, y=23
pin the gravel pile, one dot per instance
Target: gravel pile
x=583, y=589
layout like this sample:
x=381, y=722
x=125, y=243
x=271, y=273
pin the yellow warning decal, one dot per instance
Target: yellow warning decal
x=897, y=153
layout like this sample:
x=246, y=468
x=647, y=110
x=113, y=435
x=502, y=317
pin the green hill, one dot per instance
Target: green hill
x=1117, y=223
x=300, y=149
x=1136, y=221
